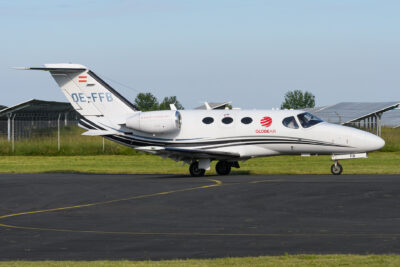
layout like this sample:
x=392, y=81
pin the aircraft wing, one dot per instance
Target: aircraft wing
x=184, y=153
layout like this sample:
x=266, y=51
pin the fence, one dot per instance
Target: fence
x=21, y=126
x=51, y=135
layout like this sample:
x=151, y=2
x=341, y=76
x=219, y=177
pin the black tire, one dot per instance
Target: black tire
x=336, y=169
x=195, y=171
x=223, y=167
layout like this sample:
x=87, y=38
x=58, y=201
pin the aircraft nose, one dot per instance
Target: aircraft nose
x=373, y=142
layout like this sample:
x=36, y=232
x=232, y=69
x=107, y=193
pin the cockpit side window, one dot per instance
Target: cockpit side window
x=290, y=122
x=307, y=119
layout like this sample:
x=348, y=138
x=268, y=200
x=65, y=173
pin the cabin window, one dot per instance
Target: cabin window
x=208, y=120
x=290, y=122
x=307, y=119
x=247, y=120
x=227, y=120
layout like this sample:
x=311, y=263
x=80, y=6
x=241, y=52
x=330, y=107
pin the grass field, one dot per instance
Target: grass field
x=378, y=163
x=289, y=260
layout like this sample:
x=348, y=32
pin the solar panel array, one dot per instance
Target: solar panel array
x=391, y=118
x=346, y=112
x=214, y=105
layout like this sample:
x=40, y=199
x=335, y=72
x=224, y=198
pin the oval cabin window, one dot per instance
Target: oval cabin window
x=290, y=122
x=227, y=120
x=208, y=120
x=247, y=120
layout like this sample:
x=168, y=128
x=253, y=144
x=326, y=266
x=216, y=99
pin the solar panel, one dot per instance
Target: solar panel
x=347, y=112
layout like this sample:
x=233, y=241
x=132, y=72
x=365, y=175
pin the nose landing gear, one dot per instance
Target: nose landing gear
x=336, y=168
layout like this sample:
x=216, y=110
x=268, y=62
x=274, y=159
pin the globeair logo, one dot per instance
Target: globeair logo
x=266, y=121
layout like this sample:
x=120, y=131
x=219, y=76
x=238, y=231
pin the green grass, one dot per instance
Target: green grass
x=392, y=138
x=378, y=162
x=288, y=260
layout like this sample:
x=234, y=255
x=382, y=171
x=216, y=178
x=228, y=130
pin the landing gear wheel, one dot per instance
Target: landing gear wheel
x=223, y=167
x=336, y=169
x=195, y=171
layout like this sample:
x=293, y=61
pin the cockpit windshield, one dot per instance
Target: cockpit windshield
x=307, y=119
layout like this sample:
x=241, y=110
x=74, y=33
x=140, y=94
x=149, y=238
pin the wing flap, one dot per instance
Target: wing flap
x=203, y=153
x=184, y=153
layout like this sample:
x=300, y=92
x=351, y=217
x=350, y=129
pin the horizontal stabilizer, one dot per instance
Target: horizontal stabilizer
x=99, y=133
x=63, y=67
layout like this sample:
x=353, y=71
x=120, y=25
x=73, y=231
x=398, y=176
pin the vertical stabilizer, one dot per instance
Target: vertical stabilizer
x=88, y=93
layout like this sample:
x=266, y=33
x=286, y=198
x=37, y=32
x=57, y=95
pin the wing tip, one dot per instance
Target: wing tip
x=55, y=67
x=20, y=68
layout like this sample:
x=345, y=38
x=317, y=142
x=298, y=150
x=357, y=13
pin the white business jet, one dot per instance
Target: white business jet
x=198, y=137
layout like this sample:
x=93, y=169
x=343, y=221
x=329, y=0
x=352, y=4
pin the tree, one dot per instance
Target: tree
x=297, y=100
x=170, y=100
x=229, y=106
x=146, y=102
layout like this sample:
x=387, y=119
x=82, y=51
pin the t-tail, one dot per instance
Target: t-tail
x=102, y=108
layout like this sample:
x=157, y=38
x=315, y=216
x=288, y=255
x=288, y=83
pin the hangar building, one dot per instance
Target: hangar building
x=21, y=120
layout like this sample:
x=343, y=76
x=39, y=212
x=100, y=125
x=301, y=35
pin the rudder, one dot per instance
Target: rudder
x=88, y=93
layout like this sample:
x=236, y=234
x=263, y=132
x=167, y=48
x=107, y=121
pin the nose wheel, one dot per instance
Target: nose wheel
x=336, y=168
x=195, y=171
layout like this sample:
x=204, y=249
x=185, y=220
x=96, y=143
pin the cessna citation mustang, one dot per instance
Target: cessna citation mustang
x=198, y=137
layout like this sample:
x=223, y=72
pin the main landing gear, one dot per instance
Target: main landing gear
x=336, y=168
x=195, y=171
x=222, y=168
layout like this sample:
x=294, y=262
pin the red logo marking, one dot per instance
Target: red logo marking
x=82, y=79
x=266, y=121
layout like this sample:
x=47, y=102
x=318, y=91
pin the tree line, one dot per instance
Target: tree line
x=148, y=102
x=296, y=99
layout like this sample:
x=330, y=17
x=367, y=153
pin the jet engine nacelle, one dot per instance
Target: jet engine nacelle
x=165, y=121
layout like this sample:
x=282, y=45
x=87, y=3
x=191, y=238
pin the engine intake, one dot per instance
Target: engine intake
x=165, y=121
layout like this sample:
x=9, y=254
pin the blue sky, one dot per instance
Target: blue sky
x=248, y=52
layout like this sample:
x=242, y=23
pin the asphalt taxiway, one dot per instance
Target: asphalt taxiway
x=107, y=216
